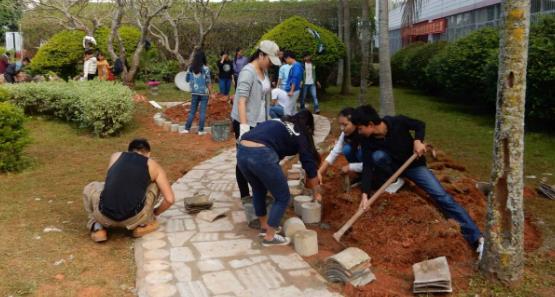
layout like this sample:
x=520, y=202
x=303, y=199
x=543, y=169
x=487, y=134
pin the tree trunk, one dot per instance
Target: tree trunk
x=364, y=44
x=116, y=24
x=340, y=31
x=504, y=246
x=387, y=103
x=346, y=85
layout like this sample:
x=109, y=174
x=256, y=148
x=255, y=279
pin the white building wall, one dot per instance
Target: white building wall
x=433, y=9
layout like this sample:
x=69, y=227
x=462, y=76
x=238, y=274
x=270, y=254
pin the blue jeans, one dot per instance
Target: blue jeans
x=312, y=90
x=352, y=156
x=196, y=99
x=276, y=111
x=426, y=180
x=225, y=85
x=260, y=166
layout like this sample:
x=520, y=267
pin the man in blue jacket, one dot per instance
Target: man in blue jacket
x=294, y=79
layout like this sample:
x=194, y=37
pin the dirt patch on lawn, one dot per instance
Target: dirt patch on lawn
x=405, y=228
x=219, y=108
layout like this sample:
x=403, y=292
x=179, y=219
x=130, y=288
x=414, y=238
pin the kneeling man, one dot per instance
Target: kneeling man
x=128, y=197
x=387, y=143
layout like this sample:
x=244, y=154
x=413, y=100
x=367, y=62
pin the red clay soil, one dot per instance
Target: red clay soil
x=219, y=108
x=405, y=228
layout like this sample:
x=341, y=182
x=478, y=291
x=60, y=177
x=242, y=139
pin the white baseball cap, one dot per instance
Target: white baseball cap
x=271, y=49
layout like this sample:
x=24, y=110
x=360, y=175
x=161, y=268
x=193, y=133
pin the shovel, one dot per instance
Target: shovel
x=337, y=235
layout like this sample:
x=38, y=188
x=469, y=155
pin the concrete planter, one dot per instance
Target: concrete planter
x=311, y=212
x=306, y=243
x=293, y=225
x=298, y=202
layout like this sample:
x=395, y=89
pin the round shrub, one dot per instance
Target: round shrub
x=63, y=52
x=415, y=65
x=399, y=63
x=13, y=137
x=467, y=68
x=292, y=35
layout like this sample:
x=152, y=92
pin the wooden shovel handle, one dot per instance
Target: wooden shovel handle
x=337, y=235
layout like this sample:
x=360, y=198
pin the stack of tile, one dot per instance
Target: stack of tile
x=351, y=265
x=197, y=204
x=432, y=276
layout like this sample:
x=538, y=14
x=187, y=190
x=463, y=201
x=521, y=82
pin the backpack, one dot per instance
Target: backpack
x=118, y=67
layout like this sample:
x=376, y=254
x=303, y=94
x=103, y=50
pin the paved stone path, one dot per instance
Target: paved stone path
x=193, y=258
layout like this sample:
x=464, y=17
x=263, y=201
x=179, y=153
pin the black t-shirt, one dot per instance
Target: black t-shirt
x=125, y=188
x=225, y=69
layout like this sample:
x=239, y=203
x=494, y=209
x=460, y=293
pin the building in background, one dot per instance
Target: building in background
x=449, y=19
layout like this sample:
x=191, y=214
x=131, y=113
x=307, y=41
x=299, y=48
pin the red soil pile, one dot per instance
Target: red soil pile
x=405, y=228
x=219, y=108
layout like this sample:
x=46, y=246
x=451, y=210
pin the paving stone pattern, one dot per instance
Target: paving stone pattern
x=194, y=258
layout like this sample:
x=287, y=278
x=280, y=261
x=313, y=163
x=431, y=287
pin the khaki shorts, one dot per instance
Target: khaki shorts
x=91, y=200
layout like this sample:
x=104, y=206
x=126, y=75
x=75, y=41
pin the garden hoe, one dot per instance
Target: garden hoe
x=337, y=235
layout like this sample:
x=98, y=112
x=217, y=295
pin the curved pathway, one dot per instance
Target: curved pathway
x=193, y=258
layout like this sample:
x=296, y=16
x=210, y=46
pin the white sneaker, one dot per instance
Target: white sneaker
x=480, y=248
x=184, y=131
x=277, y=240
x=202, y=133
x=394, y=187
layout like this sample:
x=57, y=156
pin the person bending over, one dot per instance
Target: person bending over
x=129, y=196
x=386, y=144
x=258, y=155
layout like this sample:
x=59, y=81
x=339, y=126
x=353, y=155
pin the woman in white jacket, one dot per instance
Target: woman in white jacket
x=346, y=145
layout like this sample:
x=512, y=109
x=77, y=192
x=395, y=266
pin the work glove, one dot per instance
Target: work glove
x=480, y=248
x=243, y=128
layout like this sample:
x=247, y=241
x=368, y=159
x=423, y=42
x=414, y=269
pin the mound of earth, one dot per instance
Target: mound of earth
x=405, y=228
x=219, y=108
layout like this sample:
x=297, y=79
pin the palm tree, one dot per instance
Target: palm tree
x=504, y=245
x=364, y=44
x=411, y=12
x=387, y=102
x=346, y=85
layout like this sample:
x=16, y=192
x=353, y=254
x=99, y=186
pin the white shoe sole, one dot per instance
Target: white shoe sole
x=396, y=186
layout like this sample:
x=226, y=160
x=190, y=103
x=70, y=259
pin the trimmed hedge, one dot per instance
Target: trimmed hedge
x=13, y=137
x=63, y=53
x=466, y=70
x=4, y=95
x=102, y=107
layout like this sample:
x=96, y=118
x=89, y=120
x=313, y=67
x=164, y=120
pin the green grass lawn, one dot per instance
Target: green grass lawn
x=466, y=134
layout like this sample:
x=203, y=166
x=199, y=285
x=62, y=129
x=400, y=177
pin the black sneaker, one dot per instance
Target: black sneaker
x=263, y=231
x=277, y=240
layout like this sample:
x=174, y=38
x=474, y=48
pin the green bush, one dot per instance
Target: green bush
x=415, y=66
x=4, y=94
x=63, y=53
x=540, y=88
x=399, y=63
x=2, y=50
x=465, y=68
x=102, y=107
x=13, y=137
x=291, y=34
x=155, y=67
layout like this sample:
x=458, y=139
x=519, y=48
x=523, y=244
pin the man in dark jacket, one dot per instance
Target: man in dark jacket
x=386, y=144
x=13, y=70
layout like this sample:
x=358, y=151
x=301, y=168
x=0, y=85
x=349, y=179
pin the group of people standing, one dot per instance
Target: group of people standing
x=96, y=65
